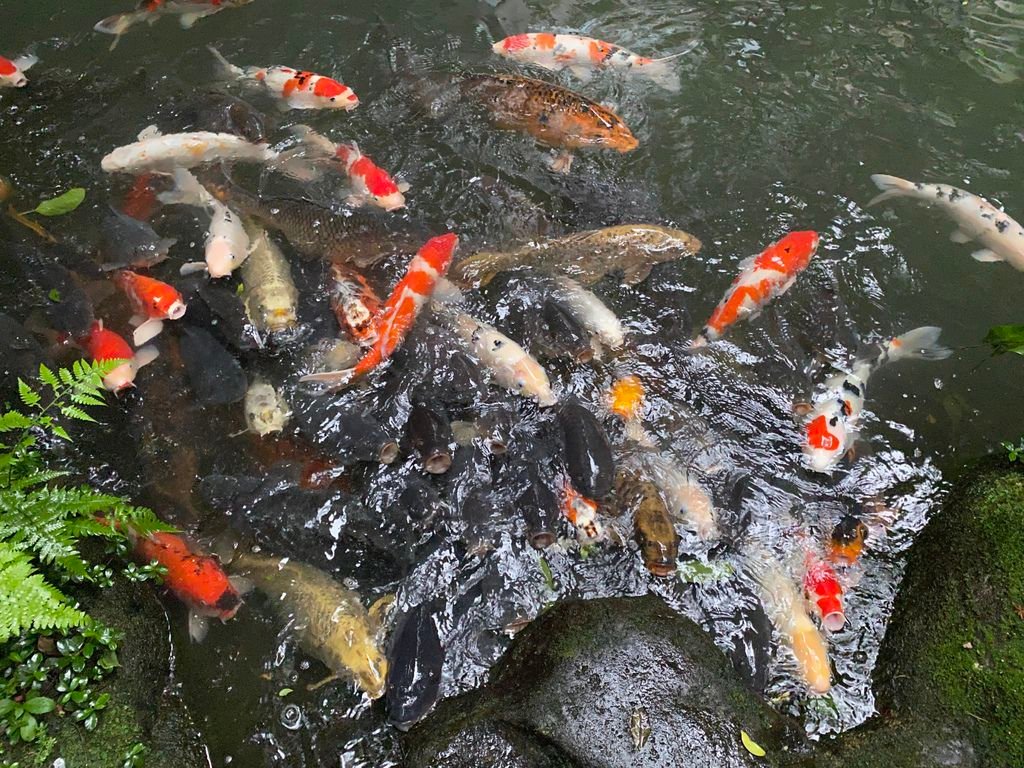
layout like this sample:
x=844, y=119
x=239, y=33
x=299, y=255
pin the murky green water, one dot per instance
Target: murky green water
x=785, y=111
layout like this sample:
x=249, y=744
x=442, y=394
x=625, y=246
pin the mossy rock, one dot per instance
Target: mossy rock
x=954, y=651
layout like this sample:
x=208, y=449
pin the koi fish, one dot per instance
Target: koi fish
x=652, y=523
x=102, y=345
x=846, y=542
x=270, y=297
x=189, y=11
x=554, y=116
x=12, y=71
x=227, y=243
x=626, y=398
x=583, y=55
x=686, y=499
x=821, y=585
x=153, y=301
x=140, y=201
x=401, y=308
x=582, y=513
x=355, y=304
x=294, y=88
x=785, y=609
x=159, y=153
x=591, y=312
x=266, y=410
x=370, y=182
x=129, y=242
x=1001, y=237
x=832, y=422
x=762, y=279
x=197, y=580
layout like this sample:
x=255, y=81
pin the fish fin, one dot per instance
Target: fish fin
x=561, y=162
x=446, y=292
x=321, y=683
x=147, y=331
x=198, y=626
x=356, y=201
x=891, y=186
x=403, y=186
x=986, y=256
x=662, y=72
x=225, y=68
x=188, y=20
x=959, y=236
x=186, y=191
x=379, y=612
x=582, y=72
x=636, y=274
x=920, y=343
x=149, y=132
x=25, y=62
x=335, y=378
x=295, y=164
x=136, y=320
x=145, y=356
x=116, y=25
x=190, y=268
x=313, y=140
x=242, y=584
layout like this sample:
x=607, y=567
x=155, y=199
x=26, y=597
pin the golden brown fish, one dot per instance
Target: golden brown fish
x=659, y=542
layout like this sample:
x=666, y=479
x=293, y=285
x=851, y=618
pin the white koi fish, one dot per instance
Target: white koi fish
x=590, y=312
x=155, y=152
x=977, y=220
x=294, y=88
x=831, y=425
x=266, y=410
x=12, y=71
x=583, y=55
x=227, y=243
x=685, y=498
x=189, y=12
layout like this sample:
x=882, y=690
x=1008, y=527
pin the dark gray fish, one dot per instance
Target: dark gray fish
x=223, y=113
x=540, y=511
x=588, y=452
x=69, y=309
x=215, y=304
x=20, y=354
x=495, y=424
x=430, y=433
x=420, y=500
x=213, y=373
x=128, y=242
x=557, y=333
x=414, y=668
x=343, y=432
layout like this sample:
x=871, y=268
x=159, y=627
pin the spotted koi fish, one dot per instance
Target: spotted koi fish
x=822, y=588
x=12, y=72
x=762, y=279
x=355, y=304
x=294, y=88
x=401, y=309
x=370, y=183
x=153, y=301
x=582, y=513
x=831, y=425
x=583, y=55
x=189, y=12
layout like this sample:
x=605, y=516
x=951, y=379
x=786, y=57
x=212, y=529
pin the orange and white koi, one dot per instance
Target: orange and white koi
x=102, y=345
x=153, y=301
x=762, y=279
x=370, y=182
x=583, y=55
x=401, y=309
x=355, y=304
x=686, y=499
x=295, y=88
x=846, y=543
x=822, y=588
x=582, y=513
x=189, y=11
x=12, y=71
x=831, y=425
x=157, y=153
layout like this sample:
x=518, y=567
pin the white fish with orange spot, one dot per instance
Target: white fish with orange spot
x=583, y=55
x=294, y=88
x=155, y=152
x=12, y=71
x=188, y=11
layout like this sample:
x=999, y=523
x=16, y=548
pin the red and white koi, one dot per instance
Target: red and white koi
x=159, y=153
x=584, y=55
x=370, y=183
x=822, y=588
x=355, y=304
x=582, y=513
x=227, y=243
x=762, y=279
x=295, y=88
x=153, y=301
x=12, y=71
x=102, y=345
x=401, y=309
x=189, y=11
x=831, y=425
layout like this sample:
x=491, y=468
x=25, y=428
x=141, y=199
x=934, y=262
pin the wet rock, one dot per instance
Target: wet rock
x=566, y=691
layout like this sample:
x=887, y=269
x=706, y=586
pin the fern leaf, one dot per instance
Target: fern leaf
x=60, y=432
x=65, y=376
x=47, y=377
x=74, y=412
x=14, y=420
x=27, y=602
x=28, y=396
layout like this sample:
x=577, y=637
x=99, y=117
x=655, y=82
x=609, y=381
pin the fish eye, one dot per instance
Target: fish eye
x=520, y=384
x=498, y=343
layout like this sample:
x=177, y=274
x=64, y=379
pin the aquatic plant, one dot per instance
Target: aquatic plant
x=53, y=652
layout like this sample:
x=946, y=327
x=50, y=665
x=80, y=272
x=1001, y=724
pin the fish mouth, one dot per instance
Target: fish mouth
x=661, y=569
x=388, y=452
x=542, y=539
x=177, y=311
x=438, y=462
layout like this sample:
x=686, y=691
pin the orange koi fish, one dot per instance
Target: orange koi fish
x=12, y=73
x=140, y=201
x=294, y=88
x=152, y=302
x=626, y=397
x=370, y=182
x=402, y=307
x=822, y=588
x=846, y=544
x=583, y=55
x=189, y=11
x=582, y=513
x=762, y=279
x=197, y=580
x=355, y=304
x=102, y=345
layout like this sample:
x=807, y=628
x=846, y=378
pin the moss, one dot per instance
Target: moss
x=955, y=649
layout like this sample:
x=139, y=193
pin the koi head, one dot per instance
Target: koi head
x=790, y=254
x=120, y=379
x=512, y=45
x=582, y=513
x=847, y=541
x=600, y=127
x=220, y=257
x=337, y=95
x=530, y=380
x=438, y=251
x=355, y=648
x=825, y=442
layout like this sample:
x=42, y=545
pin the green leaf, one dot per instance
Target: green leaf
x=1005, y=338
x=28, y=730
x=47, y=377
x=29, y=397
x=40, y=705
x=284, y=692
x=240, y=289
x=53, y=295
x=751, y=746
x=545, y=569
x=61, y=204
x=14, y=420
x=59, y=431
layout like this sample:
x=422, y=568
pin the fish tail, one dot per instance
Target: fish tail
x=226, y=69
x=918, y=344
x=119, y=23
x=662, y=71
x=891, y=186
x=26, y=61
x=186, y=191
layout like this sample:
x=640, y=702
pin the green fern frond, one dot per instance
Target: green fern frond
x=27, y=602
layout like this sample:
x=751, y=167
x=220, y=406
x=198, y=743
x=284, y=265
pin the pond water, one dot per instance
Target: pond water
x=784, y=111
